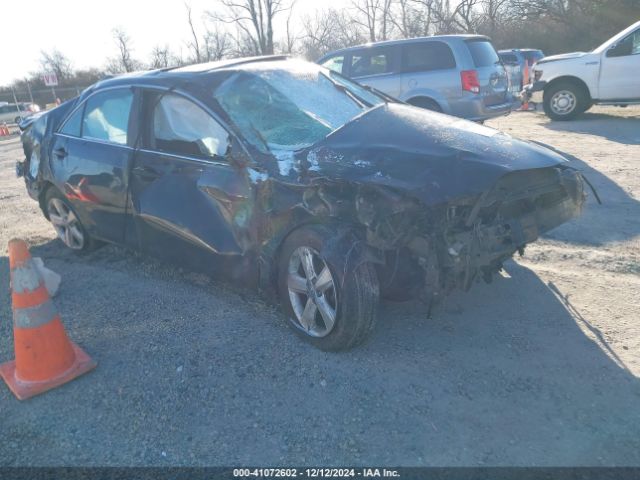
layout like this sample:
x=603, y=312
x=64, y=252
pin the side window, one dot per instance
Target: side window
x=371, y=62
x=334, y=63
x=106, y=116
x=634, y=42
x=181, y=127
x=427, y=56
x=73, y=124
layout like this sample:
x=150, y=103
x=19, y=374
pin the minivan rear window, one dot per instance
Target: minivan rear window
x=483, y=53
x=427, y=56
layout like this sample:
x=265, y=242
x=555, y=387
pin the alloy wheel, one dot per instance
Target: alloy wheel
x=66, y=224
x=312, y=292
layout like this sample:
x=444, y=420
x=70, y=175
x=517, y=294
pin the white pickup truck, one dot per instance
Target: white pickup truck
x=572, y=82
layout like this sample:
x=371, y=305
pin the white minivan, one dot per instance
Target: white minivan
x=572, y=82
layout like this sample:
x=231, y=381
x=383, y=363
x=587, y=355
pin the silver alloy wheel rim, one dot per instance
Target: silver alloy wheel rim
x=563, y=102
x=312, y=292
x=66, y=224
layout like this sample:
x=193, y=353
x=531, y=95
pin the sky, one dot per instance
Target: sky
x=82, y=30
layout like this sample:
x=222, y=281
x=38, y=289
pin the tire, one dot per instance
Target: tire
x=66, y=223
x=353, y=298
x=565, y=101
x=425, y=103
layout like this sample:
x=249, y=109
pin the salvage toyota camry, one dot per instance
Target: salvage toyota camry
x=286, y=176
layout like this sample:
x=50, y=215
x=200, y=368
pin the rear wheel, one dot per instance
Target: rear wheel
x=565, y=101
x=330, y=308
x=426, y=103
x=66, y=223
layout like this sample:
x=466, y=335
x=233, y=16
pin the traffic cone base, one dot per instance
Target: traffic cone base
x=27, y=389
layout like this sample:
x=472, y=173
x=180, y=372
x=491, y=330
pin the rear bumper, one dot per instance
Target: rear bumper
x=476, y=110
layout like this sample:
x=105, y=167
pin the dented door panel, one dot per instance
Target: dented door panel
x=182, y=203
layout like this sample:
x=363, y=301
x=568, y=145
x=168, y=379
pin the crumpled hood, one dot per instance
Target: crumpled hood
x=433, y=156
x=562, y=56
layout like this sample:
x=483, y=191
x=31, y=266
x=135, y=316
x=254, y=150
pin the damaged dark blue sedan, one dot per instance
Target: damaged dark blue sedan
x=283, y=175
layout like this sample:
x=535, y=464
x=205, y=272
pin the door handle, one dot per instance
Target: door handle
x=146, y=173
x=60, y=152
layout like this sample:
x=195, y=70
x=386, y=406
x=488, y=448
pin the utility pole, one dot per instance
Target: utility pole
x=29, y=89
x=15, y=100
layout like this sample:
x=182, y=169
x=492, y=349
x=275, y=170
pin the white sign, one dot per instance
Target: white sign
x=50, y=79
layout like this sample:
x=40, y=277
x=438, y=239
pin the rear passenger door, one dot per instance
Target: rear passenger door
x=189, y=202
x=91, y=158
x=429, y=69
x=376, y=67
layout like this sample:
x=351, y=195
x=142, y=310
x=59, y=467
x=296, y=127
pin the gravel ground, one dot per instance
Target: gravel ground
x=539, y=368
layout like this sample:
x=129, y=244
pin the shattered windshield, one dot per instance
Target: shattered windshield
x=289, y=109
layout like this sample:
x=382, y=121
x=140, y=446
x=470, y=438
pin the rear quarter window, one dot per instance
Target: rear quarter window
x=427, y=56
x=483, y=53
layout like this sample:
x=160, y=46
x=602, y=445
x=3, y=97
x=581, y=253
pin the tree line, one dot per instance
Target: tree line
x=238, y=28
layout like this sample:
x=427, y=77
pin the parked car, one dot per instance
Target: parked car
x=514, y=61
x=572, y=82
x=286, y=176
x=14, y=113
x=460, y=75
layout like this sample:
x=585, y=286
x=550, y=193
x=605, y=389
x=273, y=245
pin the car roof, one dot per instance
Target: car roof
x=168, y=76
x=409, y=40
x=516, y=50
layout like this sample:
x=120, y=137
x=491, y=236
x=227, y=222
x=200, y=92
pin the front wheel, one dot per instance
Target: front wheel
x=565, y=101
x=331, y=308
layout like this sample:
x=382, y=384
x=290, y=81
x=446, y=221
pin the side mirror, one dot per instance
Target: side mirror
x=621, y=49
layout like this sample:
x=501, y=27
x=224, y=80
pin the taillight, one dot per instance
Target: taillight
x=470, y=81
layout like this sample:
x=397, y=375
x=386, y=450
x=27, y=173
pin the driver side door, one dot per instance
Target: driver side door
x=619, y=70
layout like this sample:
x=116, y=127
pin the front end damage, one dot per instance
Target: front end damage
x=430, y=251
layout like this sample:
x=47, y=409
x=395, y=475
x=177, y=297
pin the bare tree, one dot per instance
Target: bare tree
x=194, y=44
x=465, y=17
x=124, y=61
x=367, y=16
x=55, y=61
x=291, y=39
x=160, y=57
x=218, y=44
x=329, y=30
x=412, y=18
x=253, y=20
x=374, y=16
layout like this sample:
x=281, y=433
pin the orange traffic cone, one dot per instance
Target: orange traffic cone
x=45, y=357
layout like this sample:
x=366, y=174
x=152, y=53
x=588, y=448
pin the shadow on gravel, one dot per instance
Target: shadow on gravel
x=625, y=130
x=196, y=374
x=615, y=220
